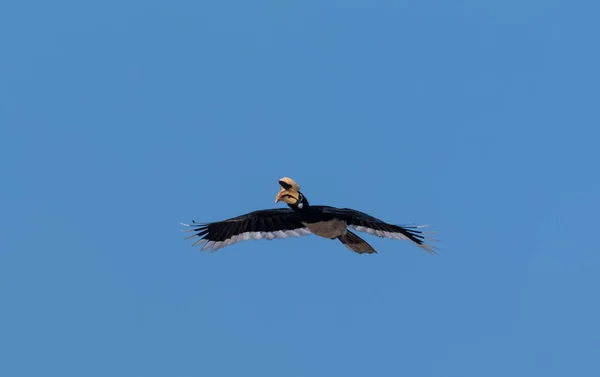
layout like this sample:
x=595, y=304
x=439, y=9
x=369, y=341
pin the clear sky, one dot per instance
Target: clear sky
x=118, y=119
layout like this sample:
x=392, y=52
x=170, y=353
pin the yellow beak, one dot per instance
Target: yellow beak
x=286, y=196
x=278, y=197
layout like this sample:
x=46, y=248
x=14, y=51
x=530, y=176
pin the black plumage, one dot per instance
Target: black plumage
x=302, y=219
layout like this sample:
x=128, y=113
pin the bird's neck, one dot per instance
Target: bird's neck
x=301, y=205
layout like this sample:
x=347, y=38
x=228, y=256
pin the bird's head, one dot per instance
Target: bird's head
x=289, y=192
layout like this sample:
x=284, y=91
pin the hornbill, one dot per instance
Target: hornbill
x=302, y=219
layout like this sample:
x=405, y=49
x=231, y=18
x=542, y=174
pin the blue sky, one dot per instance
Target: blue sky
x=120, y=119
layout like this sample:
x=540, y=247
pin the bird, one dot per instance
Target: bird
x=302, y=219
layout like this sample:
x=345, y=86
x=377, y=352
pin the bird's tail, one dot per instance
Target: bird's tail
x=355, y=243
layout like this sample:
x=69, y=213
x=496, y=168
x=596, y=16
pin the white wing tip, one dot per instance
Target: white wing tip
x=199, y=242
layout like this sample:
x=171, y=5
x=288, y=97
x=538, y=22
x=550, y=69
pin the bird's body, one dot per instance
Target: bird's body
x=327, y=227
x=301, y=219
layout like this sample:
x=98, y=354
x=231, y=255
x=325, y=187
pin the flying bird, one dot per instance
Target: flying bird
x=302, y=219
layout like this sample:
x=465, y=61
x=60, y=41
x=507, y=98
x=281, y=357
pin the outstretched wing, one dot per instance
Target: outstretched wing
x=365, y=223
x=268, y=224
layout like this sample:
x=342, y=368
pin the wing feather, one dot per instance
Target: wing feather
x=363, y=222
x=268, y=224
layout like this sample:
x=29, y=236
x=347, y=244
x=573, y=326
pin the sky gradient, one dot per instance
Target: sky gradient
x=119, y=119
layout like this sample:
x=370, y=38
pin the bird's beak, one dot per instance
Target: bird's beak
x=287, y=196
x=278, y=197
